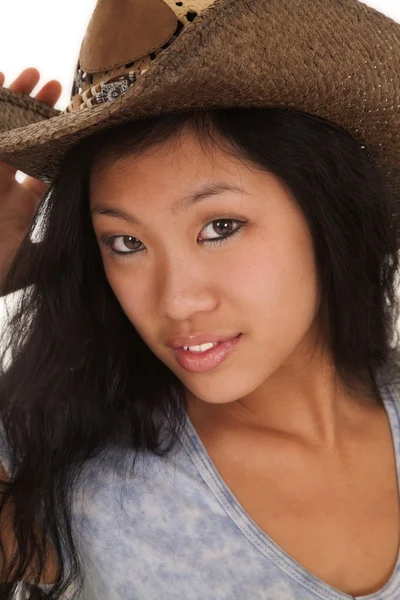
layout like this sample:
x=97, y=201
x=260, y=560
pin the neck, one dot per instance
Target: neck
x=302, y=400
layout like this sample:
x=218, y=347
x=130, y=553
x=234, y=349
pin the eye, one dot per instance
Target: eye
x=223, y=228
x=123, y=244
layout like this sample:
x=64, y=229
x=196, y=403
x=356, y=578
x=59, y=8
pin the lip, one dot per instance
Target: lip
x=199, y=362
x=198, y=339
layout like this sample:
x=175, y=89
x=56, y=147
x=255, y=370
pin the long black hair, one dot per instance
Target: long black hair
x=76, y=377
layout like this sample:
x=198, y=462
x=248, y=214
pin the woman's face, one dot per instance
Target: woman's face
x=178, y=271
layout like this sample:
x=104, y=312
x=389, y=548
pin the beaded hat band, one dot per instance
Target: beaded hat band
x=339, y=60
x=105, y=91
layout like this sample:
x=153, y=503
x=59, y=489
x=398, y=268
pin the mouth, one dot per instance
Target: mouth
x=207, y=356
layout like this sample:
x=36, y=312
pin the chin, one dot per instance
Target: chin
x=219, y=392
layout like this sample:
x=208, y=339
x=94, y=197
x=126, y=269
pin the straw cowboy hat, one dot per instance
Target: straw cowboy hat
x=337, y=59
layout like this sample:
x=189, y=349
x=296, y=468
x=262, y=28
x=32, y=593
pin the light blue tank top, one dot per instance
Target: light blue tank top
x=175, y=531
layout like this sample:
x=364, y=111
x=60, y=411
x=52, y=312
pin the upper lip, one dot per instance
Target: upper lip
x=198, y=339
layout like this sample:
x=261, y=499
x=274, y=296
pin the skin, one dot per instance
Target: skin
x=310, y=462
x=261, y=283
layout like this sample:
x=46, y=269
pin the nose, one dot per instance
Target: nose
x=185, y=288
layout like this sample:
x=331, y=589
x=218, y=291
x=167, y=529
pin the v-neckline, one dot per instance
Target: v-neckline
x=390, y=395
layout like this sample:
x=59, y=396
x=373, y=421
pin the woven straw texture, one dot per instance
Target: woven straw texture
x=20, y=110
x=337, y=59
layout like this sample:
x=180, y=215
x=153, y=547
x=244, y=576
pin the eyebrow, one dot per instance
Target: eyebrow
x=207, y=190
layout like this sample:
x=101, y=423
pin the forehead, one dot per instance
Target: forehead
x=182, y=160
x=169, y=174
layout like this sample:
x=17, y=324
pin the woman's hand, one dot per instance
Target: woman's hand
x=19, y=201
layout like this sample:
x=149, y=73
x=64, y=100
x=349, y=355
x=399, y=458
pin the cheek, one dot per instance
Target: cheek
x=276, y=285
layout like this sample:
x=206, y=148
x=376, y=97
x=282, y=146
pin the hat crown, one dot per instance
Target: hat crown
x=125, y=36
x=122, y=31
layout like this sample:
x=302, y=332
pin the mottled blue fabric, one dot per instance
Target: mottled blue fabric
x=174, y=531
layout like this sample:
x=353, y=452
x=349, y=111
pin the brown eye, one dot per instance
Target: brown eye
x=223, y=227
x=220, y=229
x=130, y=241
x=123, y=244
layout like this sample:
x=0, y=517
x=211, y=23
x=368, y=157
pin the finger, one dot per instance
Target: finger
x=2, y=78
x=50, y=93
x=26, y=81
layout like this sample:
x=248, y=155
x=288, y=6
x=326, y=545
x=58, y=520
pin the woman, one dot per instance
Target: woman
x=203, y=395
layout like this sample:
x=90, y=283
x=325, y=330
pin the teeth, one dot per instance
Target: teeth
x=201, y=348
